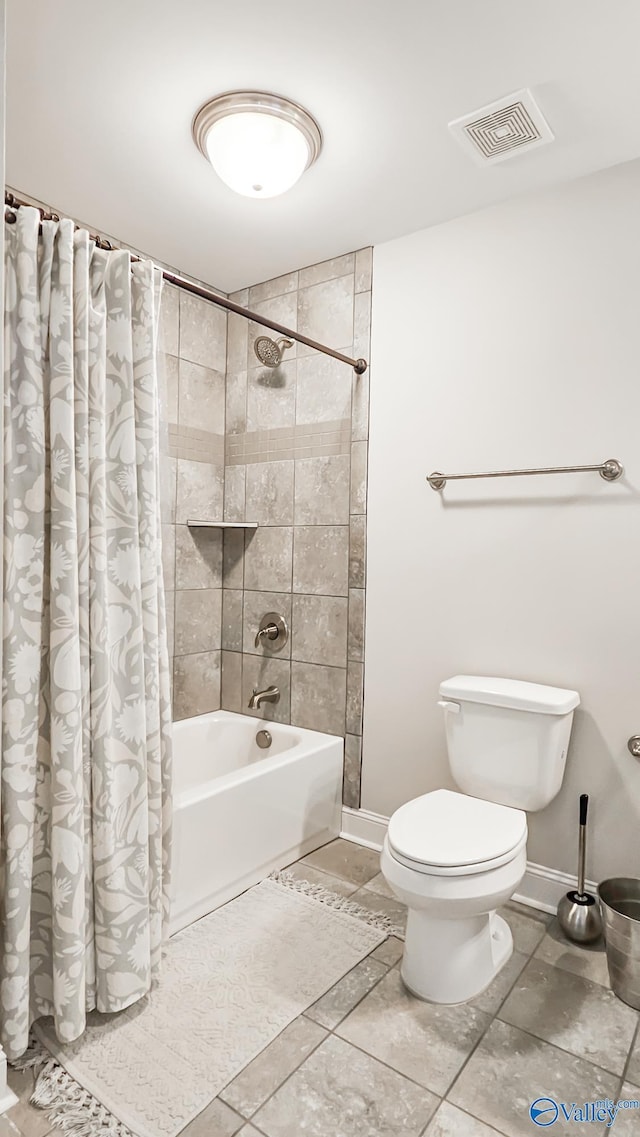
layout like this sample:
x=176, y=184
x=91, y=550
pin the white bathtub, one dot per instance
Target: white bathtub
x=240, y=812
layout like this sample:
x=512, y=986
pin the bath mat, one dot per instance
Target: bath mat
x=230, y=984
x=319, y=892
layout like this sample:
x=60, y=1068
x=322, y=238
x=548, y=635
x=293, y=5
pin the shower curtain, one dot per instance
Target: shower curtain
x=86, y=721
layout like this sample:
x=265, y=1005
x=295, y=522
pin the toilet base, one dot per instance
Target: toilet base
x=453, y=960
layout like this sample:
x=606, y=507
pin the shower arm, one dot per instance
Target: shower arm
x=359, y=365
x=12, y=202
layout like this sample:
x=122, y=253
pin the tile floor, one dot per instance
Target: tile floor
x=368, y=1060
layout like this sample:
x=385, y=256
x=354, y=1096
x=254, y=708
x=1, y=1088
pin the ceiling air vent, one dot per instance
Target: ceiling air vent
x=501, y=130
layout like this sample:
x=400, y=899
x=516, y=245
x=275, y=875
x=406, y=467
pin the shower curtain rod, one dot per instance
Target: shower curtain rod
x=12, y=202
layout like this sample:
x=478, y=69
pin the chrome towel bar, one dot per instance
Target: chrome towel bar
x=610, y=470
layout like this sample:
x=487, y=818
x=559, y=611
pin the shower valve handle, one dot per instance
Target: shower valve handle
x=274, y=629
x=269, y=632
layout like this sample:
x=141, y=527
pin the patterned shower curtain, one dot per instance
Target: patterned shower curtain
x=85, y=764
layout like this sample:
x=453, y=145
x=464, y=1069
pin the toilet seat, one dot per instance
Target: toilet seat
x=444, y=833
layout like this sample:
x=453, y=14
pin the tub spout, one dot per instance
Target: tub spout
x=271, y=695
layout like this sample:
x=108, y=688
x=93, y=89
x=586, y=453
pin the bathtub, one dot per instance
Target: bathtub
x=240, y=811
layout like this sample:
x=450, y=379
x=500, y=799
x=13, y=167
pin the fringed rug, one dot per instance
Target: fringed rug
x=230, y=984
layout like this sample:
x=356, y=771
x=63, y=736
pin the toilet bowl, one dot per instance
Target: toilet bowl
x=453, y=860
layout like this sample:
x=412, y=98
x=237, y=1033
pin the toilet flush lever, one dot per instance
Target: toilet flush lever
x=446, y=705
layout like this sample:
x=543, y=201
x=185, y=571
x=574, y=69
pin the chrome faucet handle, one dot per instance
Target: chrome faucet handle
x=272, y=628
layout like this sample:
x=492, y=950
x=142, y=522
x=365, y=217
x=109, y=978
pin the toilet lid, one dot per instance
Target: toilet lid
x=450, y=830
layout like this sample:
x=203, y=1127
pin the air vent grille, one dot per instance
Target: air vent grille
x=504, y=128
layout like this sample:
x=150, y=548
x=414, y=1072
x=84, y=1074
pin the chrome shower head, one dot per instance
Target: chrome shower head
x=270, y=352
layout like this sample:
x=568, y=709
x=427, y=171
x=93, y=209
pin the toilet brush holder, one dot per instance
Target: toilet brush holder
x=578, y=911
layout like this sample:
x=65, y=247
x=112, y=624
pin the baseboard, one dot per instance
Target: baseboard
x=544, y=888
x=541, y=887
x=363, y=827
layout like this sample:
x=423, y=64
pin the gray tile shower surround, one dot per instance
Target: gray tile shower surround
x=286, y=448
x=296, y=463
x=369, y=1060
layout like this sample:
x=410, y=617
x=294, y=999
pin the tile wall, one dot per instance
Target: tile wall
x=286, y=448
x=296, y=463
x=193, y=348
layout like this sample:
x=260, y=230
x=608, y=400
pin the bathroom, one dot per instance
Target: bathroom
x=330, y=590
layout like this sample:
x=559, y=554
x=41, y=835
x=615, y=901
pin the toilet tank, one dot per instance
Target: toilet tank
x=507, y=739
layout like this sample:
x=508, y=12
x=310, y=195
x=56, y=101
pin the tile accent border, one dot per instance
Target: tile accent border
x=306, y=440
x=194, y=445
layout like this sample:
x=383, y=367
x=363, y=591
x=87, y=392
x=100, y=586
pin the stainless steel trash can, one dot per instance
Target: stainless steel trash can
x=620, y=907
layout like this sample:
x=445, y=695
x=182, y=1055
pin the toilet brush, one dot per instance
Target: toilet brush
x=578, y=912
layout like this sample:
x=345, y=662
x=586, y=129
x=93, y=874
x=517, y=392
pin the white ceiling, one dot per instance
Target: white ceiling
x=100, y=98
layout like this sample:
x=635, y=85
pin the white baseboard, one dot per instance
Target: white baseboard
x=363, y=827
x=544, y=888
x=541, y=887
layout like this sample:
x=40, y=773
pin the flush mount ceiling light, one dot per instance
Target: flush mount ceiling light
x=258, y=144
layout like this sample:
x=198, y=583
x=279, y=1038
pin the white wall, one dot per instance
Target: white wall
x=503, y=339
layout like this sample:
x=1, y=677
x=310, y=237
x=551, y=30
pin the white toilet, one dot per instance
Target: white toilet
x=454, y=858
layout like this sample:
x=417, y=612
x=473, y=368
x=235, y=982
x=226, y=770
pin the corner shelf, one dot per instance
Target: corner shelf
x=222, y=524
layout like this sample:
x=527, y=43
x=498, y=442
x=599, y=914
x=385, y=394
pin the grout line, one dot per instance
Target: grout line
x=291, y=1072
x=293, y=534
x=349, y=880
x=555, y=1046
x=263, y=1132
x=335, y=1026
x=388, y=1065
x=292, y=659
x=193, y=654
x=636, y=1037
x=423, y=1132
x=473, y=1116
x=492, y=1019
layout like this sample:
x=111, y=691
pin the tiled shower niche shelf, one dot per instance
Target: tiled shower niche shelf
x=222, y=524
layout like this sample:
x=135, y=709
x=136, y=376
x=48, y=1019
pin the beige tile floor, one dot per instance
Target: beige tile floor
x=368, y=1060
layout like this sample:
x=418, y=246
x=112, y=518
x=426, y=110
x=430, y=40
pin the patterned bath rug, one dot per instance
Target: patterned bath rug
x=230, y=984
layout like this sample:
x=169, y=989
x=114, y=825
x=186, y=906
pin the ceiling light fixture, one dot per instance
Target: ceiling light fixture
x=258, y=144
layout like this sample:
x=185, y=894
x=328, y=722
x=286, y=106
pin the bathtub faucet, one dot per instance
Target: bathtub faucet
x=271, y=695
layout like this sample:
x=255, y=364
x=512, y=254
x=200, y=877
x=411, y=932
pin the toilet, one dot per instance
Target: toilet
x=455, y=857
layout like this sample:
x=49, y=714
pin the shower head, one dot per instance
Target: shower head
x=269, y=351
